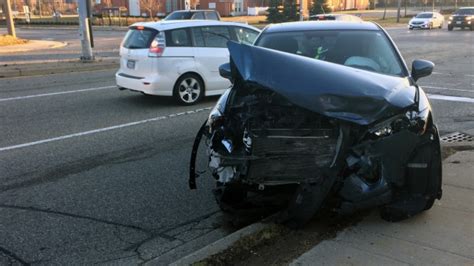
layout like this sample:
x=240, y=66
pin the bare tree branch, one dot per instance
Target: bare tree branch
x=151, y=6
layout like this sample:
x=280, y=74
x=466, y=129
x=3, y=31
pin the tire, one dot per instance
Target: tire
x=440, y=25
x=472, y=27
x=450, y=28
x=189, y=89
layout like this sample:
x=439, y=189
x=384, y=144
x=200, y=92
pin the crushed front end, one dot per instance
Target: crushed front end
x=265, y=147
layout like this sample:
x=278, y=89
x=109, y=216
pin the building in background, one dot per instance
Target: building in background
x=134, y=9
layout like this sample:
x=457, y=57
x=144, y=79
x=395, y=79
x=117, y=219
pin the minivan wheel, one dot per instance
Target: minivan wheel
x=188, y=90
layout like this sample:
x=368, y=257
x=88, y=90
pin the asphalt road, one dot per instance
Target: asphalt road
x=90, y=174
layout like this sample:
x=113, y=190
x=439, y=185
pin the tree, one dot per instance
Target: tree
x=151, y=6
x=290, y=11
x=274, y=14
x=320, y=6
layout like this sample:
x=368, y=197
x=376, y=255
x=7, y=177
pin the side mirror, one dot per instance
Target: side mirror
x=421, y=68
x=224, y=71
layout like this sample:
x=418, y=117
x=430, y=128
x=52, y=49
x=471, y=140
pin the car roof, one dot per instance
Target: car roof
x=321, y=25
x=175, y=24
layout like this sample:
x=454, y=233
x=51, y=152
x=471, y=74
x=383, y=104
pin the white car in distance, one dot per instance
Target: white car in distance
x=179, y=58
x=426, y=20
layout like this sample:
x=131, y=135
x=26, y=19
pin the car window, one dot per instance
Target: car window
x=212, y=15
x=199, y=15
x=245, y=35
x=198, y=38
x=369, y=50
x=179, y=16
x=139, y=38
x=211, y=36
x=178, y=37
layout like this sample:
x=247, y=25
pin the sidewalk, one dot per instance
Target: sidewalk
x=32, y=45
x=444, y=235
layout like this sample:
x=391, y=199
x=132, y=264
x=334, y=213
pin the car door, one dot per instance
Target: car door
x=210, y=52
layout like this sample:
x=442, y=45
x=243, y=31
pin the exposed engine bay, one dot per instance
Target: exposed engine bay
x=260, y=140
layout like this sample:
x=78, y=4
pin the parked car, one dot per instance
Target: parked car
x=338, y=17
x=426, y=20
x=178, y=58
x=321, y=113
x=462, y=18
x=193, y=14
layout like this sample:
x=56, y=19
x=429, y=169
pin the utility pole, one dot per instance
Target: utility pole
x=9, y=17
x=84, y=32
x=398, y=10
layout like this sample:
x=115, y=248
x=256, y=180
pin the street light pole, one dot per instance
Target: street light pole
x=9, y=17
x=84, y=32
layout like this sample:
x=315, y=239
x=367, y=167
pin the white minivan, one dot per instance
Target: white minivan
x=179, y=58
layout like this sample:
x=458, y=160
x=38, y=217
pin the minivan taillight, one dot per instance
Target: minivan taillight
x=157, y=46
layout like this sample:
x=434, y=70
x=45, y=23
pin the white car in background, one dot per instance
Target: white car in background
x=426, y=20
x=179, y=58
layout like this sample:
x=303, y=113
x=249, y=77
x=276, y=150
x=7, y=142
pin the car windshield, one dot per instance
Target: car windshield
x=424, y=15
x=369, y=50
x=465, y=11
x=179, y=16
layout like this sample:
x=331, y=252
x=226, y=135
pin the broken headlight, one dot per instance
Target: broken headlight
x=216, y=116
x=419, y=119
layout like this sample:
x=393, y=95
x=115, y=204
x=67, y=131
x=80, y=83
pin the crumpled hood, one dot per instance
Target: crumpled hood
x=330, y=89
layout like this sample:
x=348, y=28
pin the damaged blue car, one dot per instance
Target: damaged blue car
x=321, y=113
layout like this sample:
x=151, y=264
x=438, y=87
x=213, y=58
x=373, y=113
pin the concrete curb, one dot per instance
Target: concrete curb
x=221, y=244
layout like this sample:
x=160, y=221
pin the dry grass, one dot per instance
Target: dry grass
x=10, y=40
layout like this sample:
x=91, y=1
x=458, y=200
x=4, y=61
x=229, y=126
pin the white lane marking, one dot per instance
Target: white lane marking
x=54, y=93
x=448, y=89
x=79, y=134
x=450, y=98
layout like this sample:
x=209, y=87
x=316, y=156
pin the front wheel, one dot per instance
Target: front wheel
x=188, y=90
x=450, y=28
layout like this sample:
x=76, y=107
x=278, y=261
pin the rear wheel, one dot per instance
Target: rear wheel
x=450, y=28
x=189, y=89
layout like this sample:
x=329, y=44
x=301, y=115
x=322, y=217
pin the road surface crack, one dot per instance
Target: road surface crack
x=13, y=256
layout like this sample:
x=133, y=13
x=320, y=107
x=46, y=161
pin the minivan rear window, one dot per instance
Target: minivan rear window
x=139, y=38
